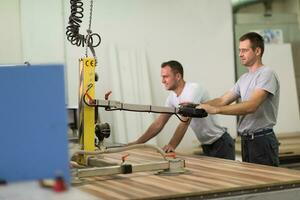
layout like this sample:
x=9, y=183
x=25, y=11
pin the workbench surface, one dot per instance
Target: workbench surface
x=206, y=176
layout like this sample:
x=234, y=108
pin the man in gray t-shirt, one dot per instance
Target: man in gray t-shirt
x=266, y=114
x=258, y=92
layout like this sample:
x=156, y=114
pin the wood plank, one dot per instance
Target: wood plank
x=206, y=175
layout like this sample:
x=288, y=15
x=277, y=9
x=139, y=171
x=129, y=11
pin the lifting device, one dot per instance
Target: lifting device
x=90, y=126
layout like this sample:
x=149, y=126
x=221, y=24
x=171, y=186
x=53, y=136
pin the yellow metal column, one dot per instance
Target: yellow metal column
x=86, y=113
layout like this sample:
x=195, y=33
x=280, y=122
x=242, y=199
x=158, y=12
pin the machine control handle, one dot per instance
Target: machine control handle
x=188, y=111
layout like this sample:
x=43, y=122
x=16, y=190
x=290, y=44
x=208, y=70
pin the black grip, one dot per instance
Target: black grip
x=187, y=111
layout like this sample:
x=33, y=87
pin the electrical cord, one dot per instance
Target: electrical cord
x=185, y=121
x=87, y=95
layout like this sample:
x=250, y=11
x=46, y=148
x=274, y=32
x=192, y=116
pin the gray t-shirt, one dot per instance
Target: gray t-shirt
x=266, y=114
x=207, y=129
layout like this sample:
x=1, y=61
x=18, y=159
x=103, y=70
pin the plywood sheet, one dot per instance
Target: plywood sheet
x=279, y=57
x=206, y=176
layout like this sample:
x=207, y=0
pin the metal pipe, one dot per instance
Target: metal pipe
x=120, y=149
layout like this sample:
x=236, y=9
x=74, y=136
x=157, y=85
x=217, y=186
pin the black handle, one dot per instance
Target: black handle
x=188, y=111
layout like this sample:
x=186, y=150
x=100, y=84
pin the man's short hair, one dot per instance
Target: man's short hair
x=256, y=40
x=174, y=65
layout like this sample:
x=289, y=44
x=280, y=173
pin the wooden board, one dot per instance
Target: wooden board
x=276, y=56
x=206, y=176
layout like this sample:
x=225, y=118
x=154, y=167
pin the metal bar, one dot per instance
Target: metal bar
x=96, y=162
x=135, y=107
x=111, y=170
x=151, y=166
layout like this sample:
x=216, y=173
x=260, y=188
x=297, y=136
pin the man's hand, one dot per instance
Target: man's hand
x=168, y=148
x=208, y=108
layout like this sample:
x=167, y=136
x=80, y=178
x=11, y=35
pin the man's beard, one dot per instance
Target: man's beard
x=172, y=87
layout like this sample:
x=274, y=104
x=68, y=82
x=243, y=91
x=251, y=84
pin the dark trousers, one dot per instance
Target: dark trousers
x=221, y=148
x=261, y=150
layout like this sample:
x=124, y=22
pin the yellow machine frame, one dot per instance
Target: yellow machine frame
x=86, y=113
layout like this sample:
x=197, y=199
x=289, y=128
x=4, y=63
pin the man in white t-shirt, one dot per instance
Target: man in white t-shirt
x=215, y=141
x=258, y=90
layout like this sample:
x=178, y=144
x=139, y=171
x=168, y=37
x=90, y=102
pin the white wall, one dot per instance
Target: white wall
x=32, y=30
x=10, y=32
x=42, y=31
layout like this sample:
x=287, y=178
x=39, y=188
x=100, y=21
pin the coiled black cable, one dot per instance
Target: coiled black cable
x=75, y=20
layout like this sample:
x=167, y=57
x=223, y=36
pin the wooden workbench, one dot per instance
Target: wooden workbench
x=205, y=177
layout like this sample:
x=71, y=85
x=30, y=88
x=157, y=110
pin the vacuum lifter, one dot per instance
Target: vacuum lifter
x=90, y=126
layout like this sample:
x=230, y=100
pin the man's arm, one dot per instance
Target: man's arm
x=243, y=108
x=153, y=129
x=225, y=99
x=178, y=135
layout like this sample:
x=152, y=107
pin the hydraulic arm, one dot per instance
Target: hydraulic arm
x=187, y=110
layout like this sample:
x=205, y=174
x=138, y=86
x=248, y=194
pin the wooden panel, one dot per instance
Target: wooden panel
x=277, y=56
x=205, y=176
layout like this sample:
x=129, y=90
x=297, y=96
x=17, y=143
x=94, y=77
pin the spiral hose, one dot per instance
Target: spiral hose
x=75, y=20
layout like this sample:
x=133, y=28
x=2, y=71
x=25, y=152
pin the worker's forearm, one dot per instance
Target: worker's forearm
x=151, y=132
x=215, y=102
x=237, y=109
x=178, y=135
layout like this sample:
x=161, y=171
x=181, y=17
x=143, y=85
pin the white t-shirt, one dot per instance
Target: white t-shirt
x=207, y=129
